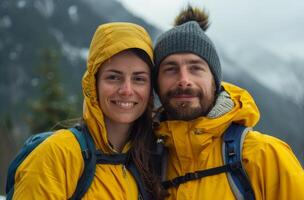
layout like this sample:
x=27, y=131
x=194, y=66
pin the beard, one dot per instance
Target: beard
x=184, y=110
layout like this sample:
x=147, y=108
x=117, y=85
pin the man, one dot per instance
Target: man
x=197, y=110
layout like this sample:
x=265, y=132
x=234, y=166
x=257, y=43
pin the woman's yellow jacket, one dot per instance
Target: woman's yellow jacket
x=52, y=170
x=273, y=170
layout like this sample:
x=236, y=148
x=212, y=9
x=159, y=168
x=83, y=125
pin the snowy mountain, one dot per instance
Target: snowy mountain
x=284, y=75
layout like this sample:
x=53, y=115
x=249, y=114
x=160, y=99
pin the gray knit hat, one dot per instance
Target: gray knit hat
x=188, y=37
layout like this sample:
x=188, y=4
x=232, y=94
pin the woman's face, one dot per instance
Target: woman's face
x=123, y=86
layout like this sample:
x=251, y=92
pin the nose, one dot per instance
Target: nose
x=184, y=79
x=126, y=88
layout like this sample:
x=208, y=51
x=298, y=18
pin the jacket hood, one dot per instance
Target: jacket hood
x=108, y=40
x=244, y=112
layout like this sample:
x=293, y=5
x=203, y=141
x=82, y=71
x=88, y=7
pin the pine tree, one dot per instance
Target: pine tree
x=52, y=104
x=7, y=147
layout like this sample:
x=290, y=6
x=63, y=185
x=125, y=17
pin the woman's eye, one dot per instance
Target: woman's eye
x=140, y=79
x=112, y=77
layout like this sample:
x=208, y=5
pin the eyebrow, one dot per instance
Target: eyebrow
x=190, y=61
x=119, y=72
x=140, y=72
x=113, y=70
x=196, y=61
x=170, y=62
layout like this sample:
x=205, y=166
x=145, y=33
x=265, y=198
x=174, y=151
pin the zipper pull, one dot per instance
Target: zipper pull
x=124, y=171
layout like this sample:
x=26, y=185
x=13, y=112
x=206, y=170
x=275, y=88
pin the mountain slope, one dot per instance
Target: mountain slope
x=280, y=116
x=29, y=27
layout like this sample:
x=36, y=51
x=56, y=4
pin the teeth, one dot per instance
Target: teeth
x=125, y=104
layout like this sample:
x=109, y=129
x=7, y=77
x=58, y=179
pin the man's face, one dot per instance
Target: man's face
x=186, y=86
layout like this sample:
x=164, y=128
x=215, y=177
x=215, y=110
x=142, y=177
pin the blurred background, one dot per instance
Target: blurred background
x=44, y=46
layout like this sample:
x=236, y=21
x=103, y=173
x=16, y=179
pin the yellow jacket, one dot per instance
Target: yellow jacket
x=273, y=170
x=52, y=170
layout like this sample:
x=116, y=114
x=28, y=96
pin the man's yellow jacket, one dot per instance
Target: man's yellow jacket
x=273, y=170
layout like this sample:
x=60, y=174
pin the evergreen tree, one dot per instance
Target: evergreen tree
x=52, y=104
x=7, y=147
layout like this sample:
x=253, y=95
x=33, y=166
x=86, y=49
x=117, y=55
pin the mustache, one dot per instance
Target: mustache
x=187, y=91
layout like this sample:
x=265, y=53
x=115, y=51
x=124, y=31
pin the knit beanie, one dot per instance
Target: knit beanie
x=188, y=37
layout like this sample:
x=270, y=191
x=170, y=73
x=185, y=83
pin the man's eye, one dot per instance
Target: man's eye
x=197, y=68
x=170, y=69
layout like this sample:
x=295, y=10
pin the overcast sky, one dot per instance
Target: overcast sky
x=277, y=24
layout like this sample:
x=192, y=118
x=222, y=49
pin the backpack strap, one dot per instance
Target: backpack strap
x=161, y=159
x=30, y=144
x=195, y=175
x=232, y=154
x=87, y=147
x=114, y=159
x=88, y=153
x=125, y=160
x=227, y=167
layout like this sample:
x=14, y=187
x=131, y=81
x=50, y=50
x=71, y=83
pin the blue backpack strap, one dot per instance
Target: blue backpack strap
x=125, y=160
x=232, y=155
x=30, y=144
x=88, y=153
x=114, y=159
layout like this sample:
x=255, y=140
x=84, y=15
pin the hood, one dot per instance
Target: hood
x=108, y=40
x=244, y=112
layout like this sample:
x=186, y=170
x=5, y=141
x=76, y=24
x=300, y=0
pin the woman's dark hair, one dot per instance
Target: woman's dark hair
x=143, y=141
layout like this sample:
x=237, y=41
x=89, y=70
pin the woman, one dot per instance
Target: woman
x=117, y=112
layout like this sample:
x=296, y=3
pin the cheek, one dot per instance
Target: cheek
x=210, y=90
x=208, y=83
x=101, y=99
x=100, y=91
x=163, y=85
x=212, y=86
x=145, y=93
x=103, y=93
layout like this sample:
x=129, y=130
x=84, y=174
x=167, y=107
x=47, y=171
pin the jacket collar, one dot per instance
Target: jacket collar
x=234, y=104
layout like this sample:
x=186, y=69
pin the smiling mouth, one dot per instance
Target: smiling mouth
x=124, y=104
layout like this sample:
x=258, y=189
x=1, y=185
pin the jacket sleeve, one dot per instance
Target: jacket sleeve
x=274, y=171
x=52, y=170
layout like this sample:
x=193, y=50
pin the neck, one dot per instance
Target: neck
x=118, y=134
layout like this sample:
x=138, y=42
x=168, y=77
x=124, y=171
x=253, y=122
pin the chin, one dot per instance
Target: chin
x=126, y=120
